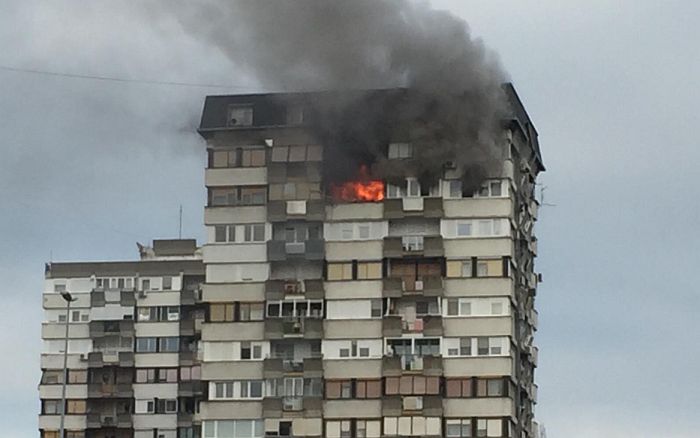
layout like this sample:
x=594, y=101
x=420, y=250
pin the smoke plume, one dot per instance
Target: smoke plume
x=439, y=88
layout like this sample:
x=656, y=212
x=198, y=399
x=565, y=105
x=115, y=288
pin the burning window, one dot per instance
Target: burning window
x=364, y=189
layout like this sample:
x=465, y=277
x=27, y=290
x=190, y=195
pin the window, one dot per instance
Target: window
x=400, y=150
x=77, y=376
x=190, y=373
x=295, y=308
x=59, y=287
x=240, y=115
x=221, y=312
x=224, y=233
x=461, y=388
x=252, y=157
x=454, y=188
x=167, y=283
x=489, y=268
x=52, y=377
x=412, y=188
x=369, y=270
x=295, y=114
x=368, y=389
x=377, y=308
x=232, y=428
x=75, y=316
x=75, y=407
x=458, y=427
x=251, y=351
x=254, y=233
x=412, y=243
x=393, y=191
x=412, y=426
x=251, y=311
x=146, y=345
x=232, y=196
x=412, y=385
x=339, y=271
x=166, y=406
x=491, y=189
x=169, y=344
x=144, y=406
x=363, y=231
x=51, y=407
x=464, y=229
x=297, y=153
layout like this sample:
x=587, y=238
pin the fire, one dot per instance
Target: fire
x=364, y=189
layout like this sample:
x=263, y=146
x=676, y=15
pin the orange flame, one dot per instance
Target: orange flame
x=363, y=190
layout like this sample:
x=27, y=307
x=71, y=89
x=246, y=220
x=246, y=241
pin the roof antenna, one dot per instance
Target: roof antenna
x=179, y=234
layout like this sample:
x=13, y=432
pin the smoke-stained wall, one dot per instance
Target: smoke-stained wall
x=449, y=103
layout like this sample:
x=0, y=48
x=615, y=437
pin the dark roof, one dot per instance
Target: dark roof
x=175, y=247
x=143, y=267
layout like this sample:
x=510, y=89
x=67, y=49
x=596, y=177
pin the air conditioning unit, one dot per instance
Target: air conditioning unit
x=83, y=357
x=412, y=403
x=419, y=284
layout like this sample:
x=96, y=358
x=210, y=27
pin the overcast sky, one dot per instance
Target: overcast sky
x=90, y=167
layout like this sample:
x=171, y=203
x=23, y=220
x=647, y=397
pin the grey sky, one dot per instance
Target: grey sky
x=87, y=168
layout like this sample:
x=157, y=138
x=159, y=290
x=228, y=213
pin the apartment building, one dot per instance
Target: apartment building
x=400, y=310
x=133, y=329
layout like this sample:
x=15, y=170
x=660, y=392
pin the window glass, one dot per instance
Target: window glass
x=220, y=233
x=297, y=153
x=464, y=229
x=280, y=153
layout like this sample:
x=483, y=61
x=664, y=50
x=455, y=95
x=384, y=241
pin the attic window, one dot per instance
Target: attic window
x=240, y=115
x=295, y=115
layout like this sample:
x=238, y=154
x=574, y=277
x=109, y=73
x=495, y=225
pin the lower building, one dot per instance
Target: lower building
x=133, y=327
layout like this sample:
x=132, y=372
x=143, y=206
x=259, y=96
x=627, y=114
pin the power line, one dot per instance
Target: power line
x=118, y=79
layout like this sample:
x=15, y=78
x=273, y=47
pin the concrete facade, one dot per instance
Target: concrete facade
x=304, y=315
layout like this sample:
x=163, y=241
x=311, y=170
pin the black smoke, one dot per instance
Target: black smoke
x=433, y=84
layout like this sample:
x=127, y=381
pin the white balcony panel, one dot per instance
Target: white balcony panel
x=478, y=247
x=356, y=211
x=235, y=253
x=346, y=251
x=235, y=215
x=478, y=207
x=235, y=176
x=338, y=290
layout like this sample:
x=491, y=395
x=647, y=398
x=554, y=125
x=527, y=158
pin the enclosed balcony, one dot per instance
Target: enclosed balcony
x=279, y=289
x=399, y=208
x=295, y=327
x=283, y=211
x=279, y=250
x=413, y=246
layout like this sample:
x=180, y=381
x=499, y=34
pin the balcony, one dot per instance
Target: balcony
x=188, y=297
x=282, y=211
x=283, y=172
x=101, y=420
x=186, y=327
x=427, y=286
x=413, y=246
x=190, y=388
x=425, y=405
x=187, y=358
x=280, y=328
x=397, y=208
x=100, y=329
x=99, y=359
x=279, y=250
x=279, y=289
x=104, y=390
x=398, y=365
x=395, y=326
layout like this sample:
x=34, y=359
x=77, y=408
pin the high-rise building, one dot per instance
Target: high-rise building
x=408, y=312
x=360, y=308
x=133, y=329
